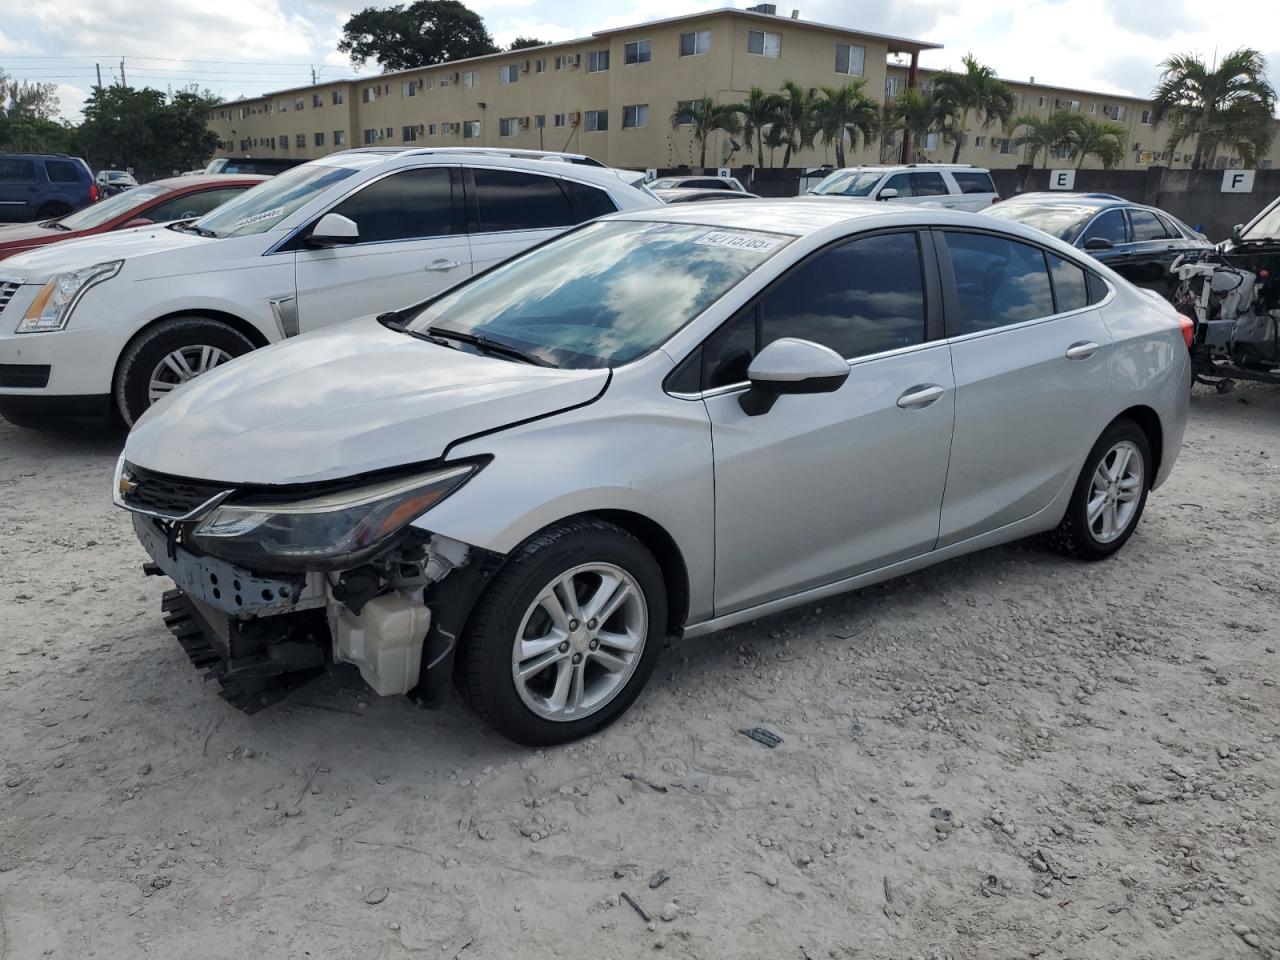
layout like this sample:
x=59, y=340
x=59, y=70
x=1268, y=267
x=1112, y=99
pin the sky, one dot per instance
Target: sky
x=249, y=47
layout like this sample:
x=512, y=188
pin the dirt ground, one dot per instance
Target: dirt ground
x=1009, y=755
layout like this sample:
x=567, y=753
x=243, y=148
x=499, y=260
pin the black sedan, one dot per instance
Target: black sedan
x=1137, y=242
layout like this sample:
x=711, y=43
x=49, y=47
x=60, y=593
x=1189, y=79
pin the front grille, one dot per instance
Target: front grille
x=24, y=374
x=164, y=495
x=7, y=290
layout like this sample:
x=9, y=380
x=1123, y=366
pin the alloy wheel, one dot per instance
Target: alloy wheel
x=1115, y=492
x=181, y=365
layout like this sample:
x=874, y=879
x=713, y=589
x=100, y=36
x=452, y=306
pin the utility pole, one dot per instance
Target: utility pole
x=313, y=75
x=98, y=67
x=123, y=81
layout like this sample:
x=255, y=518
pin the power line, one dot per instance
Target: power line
x=112, y=56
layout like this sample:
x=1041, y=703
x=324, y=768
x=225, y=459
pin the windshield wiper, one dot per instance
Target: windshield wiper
x=188, y=227
x=481, y=342
x=56, y=224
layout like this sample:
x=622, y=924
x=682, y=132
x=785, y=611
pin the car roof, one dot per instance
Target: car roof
x=900, y=167
x=690, y=192
x=1098, y=200
x=571, y=165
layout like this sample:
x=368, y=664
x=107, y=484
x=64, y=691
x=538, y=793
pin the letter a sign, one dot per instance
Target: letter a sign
x=1237, y=181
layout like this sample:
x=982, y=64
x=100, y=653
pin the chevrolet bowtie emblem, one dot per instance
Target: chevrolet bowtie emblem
x=127, y=485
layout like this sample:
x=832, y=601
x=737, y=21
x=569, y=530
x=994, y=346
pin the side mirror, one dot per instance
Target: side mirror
x=333, y=230
x=790, y=366
x=137, y=222
x=888, y=193
x=1098, y=243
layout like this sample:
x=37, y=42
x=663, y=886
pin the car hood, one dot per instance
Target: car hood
x=42, y=263
x=21, y=234
x=346, y=400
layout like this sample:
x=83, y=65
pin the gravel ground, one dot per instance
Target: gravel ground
x=1008, y=755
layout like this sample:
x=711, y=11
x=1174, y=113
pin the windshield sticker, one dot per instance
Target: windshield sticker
x=264, y=215
x=740, y=241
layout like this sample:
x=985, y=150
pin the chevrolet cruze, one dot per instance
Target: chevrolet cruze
x=668, y=421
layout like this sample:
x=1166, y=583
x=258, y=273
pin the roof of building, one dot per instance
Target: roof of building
x=896, y=45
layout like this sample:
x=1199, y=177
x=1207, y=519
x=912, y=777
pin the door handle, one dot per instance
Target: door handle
x=1082, y=350
x=918, y=397
x=442, y=265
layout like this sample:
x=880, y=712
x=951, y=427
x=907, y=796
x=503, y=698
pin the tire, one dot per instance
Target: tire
x=144, y=355
x=511, y=608
x=1077, y=536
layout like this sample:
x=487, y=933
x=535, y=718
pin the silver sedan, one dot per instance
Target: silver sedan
x=664, y=422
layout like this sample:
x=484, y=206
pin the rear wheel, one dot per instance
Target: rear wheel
x=1109, y=496
x=167, y=355
x=567, y=635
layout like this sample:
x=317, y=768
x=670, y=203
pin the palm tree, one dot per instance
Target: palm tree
x=1104, y=140
x=916, y=113
x=846, y=112
x=977, y=90
x=706, y=118
x=756, y=114
x=1058, y=132
x=795, y=125
x=1227, y=106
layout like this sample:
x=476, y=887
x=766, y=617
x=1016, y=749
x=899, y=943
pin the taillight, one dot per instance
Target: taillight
x=94, y=193
x=1188, y=329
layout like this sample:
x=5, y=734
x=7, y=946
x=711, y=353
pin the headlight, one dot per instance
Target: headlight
x=333, y=531
x=57, y=298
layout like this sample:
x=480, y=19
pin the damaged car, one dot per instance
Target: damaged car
x=663, y=423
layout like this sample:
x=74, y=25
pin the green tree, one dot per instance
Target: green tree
x=524, y=43
x=916, y=113
x=706, y=118
x=1102, y=139
x=1053, y=134
x=846, y=112
x=29, y=118
x=976, y=91
x=424, y=32
x=1229, y=106
x=152, y=132
x=796, y=125
x=757, y=114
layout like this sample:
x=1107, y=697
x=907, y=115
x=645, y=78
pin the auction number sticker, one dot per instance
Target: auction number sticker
x=264, y=215
x=739, y=241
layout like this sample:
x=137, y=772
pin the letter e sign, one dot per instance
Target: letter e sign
x=1237, y=181
x=1062, y=179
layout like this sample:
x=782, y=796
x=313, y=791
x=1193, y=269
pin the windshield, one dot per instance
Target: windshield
x=848, y=183
x=260, y=208
x=1061, y=220
x=1267, y=226
x=603, y=295
x=665, y=183
x=96, y=214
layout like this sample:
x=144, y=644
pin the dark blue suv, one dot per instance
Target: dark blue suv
x=42, y=186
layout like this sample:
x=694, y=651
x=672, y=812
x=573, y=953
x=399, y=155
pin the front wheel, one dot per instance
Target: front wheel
x=167, y=355
x=567, y=635
x=1109, y=496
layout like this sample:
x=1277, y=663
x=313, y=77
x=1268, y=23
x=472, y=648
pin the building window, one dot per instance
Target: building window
x=509, y=73
x=1008, y=147
x=284, y=142
x=1043, y=101
x=427, y=83
x=244, y=146
x=1146, y=117
x=409, y=88
x=368, y=94
x=540, y=65
x=849, y=59
x=508, y=126
x=339, y=137
x=931, y=141
x=431, y=129
x=446, y=80
x=299, y=104
x=469, y=78
x=637, y=51
x=1065, y=103
x=559, y=63
x=597, y=121
x=634, y=116
x=389, y=133
x=763, y=43
x=470, y=129
x=685, y=109
x=337, y=97
x=1093, y=108
x=696, y=43
x=558, y=120
x=409, y=134
x=318, y=138
x=597, y=61
x=284, y=106
x=892, y=86
x=371, y=137
x=540, y=121
x=980, y=141
x=317, y=100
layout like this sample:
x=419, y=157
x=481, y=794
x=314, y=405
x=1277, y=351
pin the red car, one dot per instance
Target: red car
x=178, y=198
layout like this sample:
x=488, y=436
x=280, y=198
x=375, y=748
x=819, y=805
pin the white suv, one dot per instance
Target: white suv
x=115, y=322
x=956, y=186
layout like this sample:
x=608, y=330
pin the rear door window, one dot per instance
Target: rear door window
x=998, y=282
x=1108, y=225
x=588, y=202
x=1070, y=289
x=62, y=171
x=514, y=200
x=17, y=169
x=1146, y=226
x=970, y=182
x=405, y=206
x=928, y=184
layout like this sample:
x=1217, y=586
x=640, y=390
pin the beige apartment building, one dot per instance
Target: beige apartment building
x=612, y=96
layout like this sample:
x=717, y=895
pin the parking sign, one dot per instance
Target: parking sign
x=1237, y=181
x=1062, y=179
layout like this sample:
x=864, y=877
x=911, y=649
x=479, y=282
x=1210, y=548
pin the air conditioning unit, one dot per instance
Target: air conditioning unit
x=575, y=60
x=422, y=128
x=420, y=82
x=575, y=117
x=457, y=77
x=524, y=123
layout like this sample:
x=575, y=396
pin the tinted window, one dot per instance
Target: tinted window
x=1097, y=288
x=709, y=184
x=928, y=185
x=1170, y=227
x=413, y=203
x=62, y=171
x=974, y=182
x=1146, y=226
x=859, y=298
x=17, y=168
x=1069, y=289
x=998, y=281
x=588, y=202
x=191, y=205
x=1108, y=225
x=511, y=200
